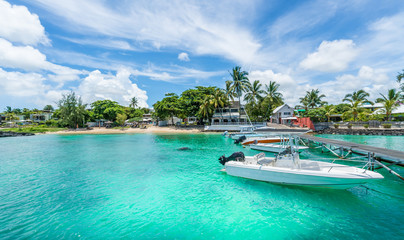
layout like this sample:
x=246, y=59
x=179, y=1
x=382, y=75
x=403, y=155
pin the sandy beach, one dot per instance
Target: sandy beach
x=151, y=129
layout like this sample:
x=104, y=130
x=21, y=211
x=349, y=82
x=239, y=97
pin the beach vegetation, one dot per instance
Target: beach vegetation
x=72, y=110
x=386, y=125
x=390, y=102
x=356, y=101
x=312, y=99
x=120, y=119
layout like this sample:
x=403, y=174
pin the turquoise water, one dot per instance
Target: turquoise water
x=141, y=187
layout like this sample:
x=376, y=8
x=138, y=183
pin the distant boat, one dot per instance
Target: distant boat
x=275, y=148
x=255, y=140
x=287, y=168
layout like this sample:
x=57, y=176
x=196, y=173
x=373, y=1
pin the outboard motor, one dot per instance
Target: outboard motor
x=240, y=139
x=237, y=156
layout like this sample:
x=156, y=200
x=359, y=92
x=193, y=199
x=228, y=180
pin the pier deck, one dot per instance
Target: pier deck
x=362, y=149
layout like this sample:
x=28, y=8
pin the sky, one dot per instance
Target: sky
x=103, y=49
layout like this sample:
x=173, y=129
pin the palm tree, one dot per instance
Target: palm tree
x=391, y=102
x=357, y=99
x=329, y=109
x=218, y=100
x=400, y=76
x=312, y=99
x=254, y=92
x=133, y=102
x=272, y=95
x=240, y=84
x=229, y=93
x=206, y=107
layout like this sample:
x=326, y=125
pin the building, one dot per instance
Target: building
x=230, y=115
x=283, y=114
x=41, y=117
x=147, y=118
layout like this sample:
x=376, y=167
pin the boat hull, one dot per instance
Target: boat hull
x=273, y=148
x=265, y=140
x=300, y=177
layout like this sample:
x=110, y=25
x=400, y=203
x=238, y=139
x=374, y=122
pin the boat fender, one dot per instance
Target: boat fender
x=237, y=156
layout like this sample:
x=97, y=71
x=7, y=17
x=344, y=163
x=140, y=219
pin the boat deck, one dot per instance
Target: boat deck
x=362, y=149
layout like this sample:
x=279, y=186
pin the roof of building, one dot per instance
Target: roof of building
x=280, y=107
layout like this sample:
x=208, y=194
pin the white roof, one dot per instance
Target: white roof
x=280, y=107
x=399, y=109
x=375, y=105
x=289, y=118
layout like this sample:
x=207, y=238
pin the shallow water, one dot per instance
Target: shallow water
x=140, y=186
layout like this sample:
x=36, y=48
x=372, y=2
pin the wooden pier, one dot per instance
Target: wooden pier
x=377, y=153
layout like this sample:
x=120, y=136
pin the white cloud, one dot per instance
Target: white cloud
x=183, y=57
x=331, y=56
x=193, y=26
x=21, y=84
x=371, y=80
x=98, y=86
x=17, y=24
x=30, y=59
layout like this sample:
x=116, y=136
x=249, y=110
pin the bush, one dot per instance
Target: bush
x=366, y=126
x=350, y=126
x=336, y=125
x=386, y=125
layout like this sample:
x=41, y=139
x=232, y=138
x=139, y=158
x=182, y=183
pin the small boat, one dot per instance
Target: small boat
x=275, y=148
x=255, y=140
x=287, y=168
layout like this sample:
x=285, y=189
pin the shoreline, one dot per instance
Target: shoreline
x=105, y=131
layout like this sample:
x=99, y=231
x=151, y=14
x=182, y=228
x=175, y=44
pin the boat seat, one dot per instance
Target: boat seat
x=310, y=166
x=265, y=161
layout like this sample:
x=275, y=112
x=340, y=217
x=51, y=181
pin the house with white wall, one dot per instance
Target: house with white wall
x=283, y=114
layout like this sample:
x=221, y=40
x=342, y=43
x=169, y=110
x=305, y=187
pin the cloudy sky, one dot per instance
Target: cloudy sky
x=119, y=49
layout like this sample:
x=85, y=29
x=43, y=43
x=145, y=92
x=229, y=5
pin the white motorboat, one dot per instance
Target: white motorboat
x=287, y=168
x=275, y=148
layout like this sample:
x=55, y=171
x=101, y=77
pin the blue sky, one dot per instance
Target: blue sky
x=120, y=49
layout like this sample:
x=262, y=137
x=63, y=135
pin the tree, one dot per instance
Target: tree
x=312, y=99
x=329, y=110
x=48, y=108
x=218, y=100
x=206, y=109
x=390, y=102
x=106, y=109
x=168, y=106
x=120, y=119
x=72, y=110
x=400, y=77
x=8, y=109
x=230, y=94
x=133, y=102
x=191, y=100
x=273, y=97
x=240, y=83
x=254, y=92
x=356, y=100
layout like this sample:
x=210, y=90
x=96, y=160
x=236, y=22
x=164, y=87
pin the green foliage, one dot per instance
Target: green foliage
x=350, y=126
x=317, y=114
x=106, y=109
x=168, y=107
x=48, y=108
x=366, y=126
x=34, y=129
x=390, y=102
x=53, y=123
x=72, y=110
x=192, y=99
x=356, y=100
x=336, y=125
x=386, y=125
x=120, y=119
x=312, y=99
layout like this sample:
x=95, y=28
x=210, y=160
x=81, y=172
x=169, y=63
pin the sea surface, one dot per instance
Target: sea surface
x=141, y=186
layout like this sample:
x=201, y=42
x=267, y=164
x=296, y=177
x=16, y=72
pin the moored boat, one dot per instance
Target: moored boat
x=275, y=148
x=255, y=140
x=287, y=168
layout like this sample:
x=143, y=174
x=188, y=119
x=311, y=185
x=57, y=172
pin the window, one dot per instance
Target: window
x=286, y=113
x=234, y=110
